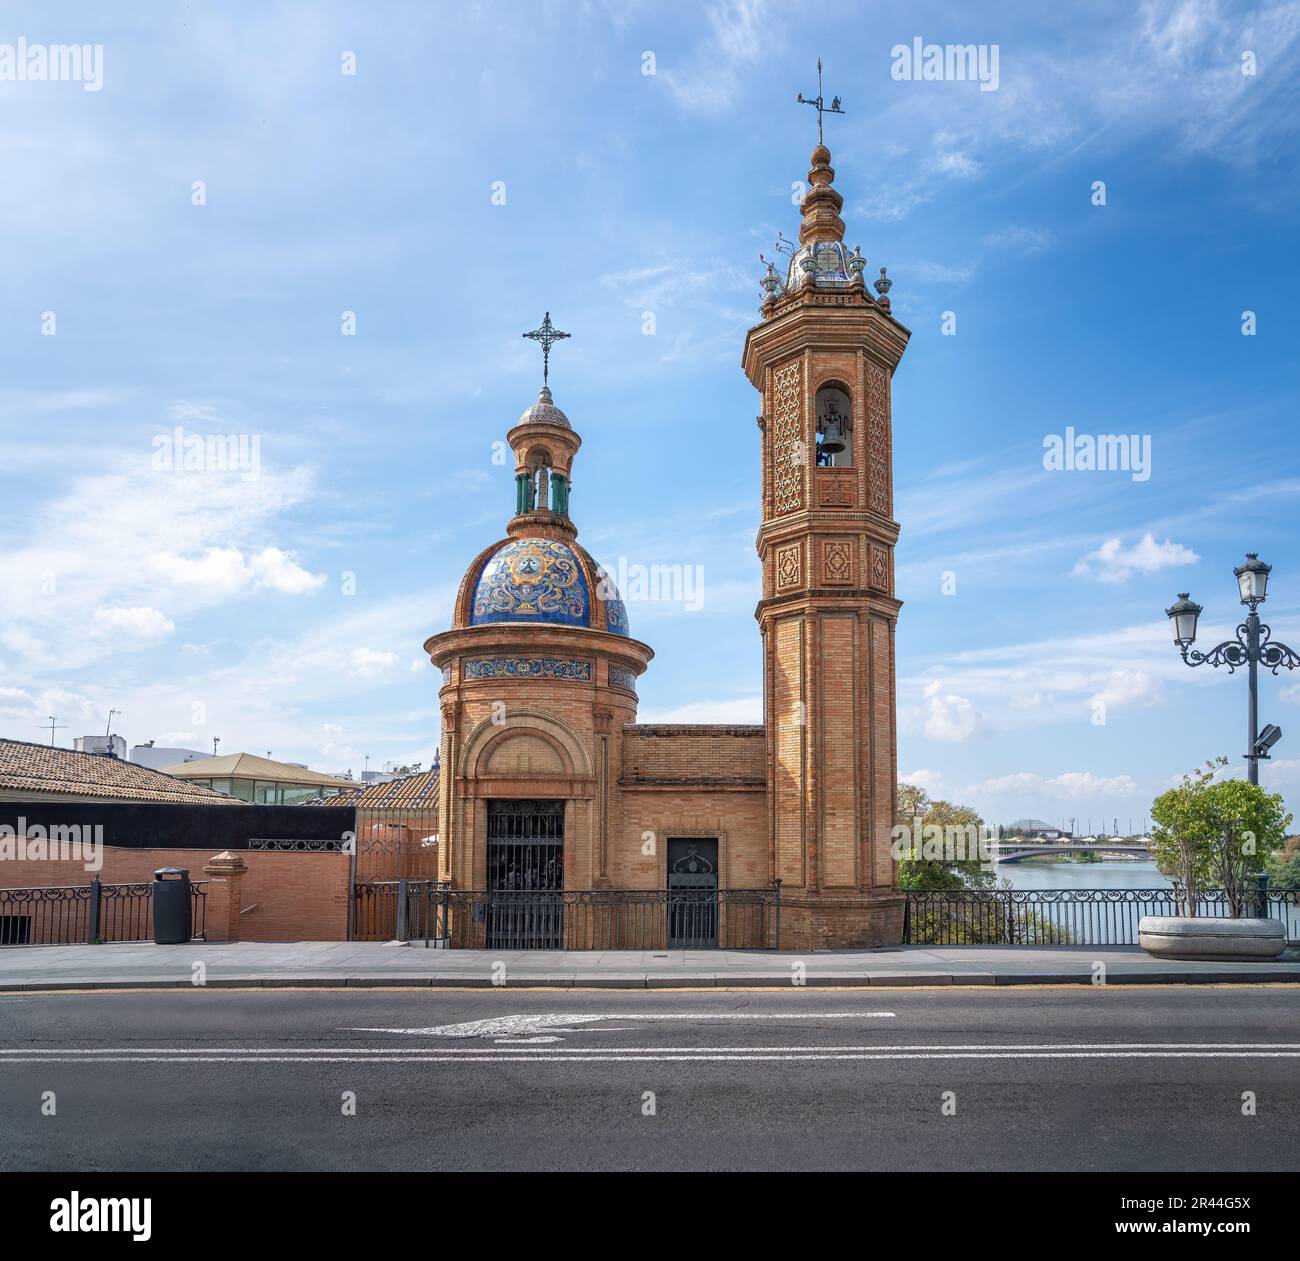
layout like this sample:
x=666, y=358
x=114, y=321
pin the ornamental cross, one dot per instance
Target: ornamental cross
x=818, y=102
x=547, y=335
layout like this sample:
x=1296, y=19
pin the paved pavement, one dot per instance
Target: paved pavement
x=370, y=963
x=1068, y=1078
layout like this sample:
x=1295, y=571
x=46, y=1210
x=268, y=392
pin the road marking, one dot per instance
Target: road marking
x=493, y=1056
x=523, y=1026
x=642, y=1055
x=570, y=1052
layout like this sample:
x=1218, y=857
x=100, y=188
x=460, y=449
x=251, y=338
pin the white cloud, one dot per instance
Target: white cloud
x=278, y=571
x=1128, y=687
x=368, y=661
x=1113, y=562
x=225, y=571
x=141, y=620
x=746, y=710
x=155, y=540
x=950, y=718
x=1068, y=786
x=931, y=781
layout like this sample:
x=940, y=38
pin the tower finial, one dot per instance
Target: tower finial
x=818, y=103
x=547, y=335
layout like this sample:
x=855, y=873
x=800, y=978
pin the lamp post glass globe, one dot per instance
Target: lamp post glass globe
x=1252, y=579
x=1182, y=617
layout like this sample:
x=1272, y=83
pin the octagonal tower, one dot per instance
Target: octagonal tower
x=823, y=358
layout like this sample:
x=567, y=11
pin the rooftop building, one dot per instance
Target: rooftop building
x=259, y=779
x=39, y=772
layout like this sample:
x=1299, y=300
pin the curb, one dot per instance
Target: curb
x=661, y=980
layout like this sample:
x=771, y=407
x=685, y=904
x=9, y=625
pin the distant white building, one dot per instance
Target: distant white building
x=155, y=758
x=1038, y=827
x=100, y=744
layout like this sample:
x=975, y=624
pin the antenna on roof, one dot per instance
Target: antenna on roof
x=54, y=724
x=108, y=726
x=216, y=740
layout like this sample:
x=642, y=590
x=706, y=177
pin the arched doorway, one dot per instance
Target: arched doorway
x=525, y=874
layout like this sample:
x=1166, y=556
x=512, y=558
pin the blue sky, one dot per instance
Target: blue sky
x=206, y=603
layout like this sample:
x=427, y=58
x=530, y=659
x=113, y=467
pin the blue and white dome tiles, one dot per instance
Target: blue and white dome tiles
x=542, y=580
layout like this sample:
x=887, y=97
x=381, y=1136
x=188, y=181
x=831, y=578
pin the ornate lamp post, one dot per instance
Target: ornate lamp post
x=1254, y=645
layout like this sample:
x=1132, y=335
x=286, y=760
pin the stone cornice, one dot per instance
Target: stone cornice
x=534, y=639
x=849, y=323
x=830, y=599
x=826, y=521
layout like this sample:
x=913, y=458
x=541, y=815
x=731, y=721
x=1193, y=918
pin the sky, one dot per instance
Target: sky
x=321, y=228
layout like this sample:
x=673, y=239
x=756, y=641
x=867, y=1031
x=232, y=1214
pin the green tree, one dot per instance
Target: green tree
x=1217, y=832
x=1247, y=826
x=1283, y=865
x=1182, y=830
x=938, y=843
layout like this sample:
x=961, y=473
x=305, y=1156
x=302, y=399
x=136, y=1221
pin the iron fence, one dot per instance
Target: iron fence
x=569, y=919
x=1066, y=917
x=94, y=913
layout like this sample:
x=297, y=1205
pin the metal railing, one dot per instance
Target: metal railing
x=569, y=919
x=94, y=913
x=1066, y=917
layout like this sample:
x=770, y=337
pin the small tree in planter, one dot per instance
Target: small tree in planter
x=1247, y=825
x=1220, y=833
x=1183, y=832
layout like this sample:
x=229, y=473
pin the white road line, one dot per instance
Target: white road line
x=530, y=1052
x=610, y=1057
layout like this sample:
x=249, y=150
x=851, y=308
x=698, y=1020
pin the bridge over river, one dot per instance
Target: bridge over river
x=1014, y=851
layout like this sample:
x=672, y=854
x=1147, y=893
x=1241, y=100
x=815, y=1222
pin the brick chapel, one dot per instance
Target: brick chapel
x=549, y=782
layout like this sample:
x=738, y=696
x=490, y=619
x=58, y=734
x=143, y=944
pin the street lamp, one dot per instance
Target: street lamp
x=1253, y=646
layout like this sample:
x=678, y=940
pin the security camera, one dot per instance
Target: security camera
x=1267, y=739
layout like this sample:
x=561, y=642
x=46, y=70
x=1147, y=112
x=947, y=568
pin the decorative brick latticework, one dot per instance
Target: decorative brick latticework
x=880, y=468
x=789, y=440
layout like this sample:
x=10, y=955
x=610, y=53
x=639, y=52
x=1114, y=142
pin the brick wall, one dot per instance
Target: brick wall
x=698, y=754
x=297, y=897
x=737, y=819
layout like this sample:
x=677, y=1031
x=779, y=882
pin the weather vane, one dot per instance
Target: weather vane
x=819, y=102
x=547, y=335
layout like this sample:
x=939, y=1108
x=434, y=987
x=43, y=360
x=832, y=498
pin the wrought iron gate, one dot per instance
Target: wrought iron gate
x=525, y=856
x=692, y=894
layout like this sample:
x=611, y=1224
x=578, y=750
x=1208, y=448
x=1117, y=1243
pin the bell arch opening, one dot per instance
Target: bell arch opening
x=834, y=406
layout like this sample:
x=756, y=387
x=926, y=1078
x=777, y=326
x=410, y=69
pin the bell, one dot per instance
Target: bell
x=832, y=435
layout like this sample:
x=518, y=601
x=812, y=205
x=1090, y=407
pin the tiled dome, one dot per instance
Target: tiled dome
x=545, y=580
x=544, y=412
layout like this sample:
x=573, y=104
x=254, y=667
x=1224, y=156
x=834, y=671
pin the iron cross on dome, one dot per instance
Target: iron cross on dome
x=546, y=335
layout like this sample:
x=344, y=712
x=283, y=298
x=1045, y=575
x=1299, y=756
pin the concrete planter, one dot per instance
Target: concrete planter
x=1179, y=937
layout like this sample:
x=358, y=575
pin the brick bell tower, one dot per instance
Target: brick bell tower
x=823, y=357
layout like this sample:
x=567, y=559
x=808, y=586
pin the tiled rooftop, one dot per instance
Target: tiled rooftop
x=39, y=768
x=411, y=792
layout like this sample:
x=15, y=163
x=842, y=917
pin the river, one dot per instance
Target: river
x=1113, y=873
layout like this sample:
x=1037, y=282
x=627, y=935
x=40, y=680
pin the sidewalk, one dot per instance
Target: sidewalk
x=337, y=964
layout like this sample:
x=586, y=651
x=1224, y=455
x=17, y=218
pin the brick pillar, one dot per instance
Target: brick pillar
x=225, y=876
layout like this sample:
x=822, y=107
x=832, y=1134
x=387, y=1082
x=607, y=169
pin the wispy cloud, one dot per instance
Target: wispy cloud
x=713, y=74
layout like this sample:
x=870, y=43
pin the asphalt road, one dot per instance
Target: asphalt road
x=1070, y=1079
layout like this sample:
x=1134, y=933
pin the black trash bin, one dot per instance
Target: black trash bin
x=173, y=919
